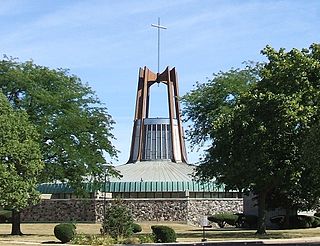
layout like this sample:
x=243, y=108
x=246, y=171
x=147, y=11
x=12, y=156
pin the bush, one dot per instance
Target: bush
x=223, y=218
x=130, y=241
x=163, y=234
x=65, y=232
x=246, y=221
x=316, y=222
x=297, y=221
x=83, y=239
x=136, y=228
x=317, y=214
x=148, y=238
x=118, y=221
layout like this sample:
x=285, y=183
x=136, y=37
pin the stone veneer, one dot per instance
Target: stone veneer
x=91, y=210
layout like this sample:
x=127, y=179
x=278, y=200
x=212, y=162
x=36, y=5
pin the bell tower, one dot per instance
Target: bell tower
x=155, y=139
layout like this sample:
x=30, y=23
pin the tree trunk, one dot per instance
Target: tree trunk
x=261, y=230
x=15, y=229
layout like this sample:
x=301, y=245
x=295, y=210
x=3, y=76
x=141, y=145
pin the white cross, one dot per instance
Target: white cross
x=159, y=27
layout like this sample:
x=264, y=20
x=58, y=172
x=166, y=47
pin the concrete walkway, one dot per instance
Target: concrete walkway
x=312, y=241
x=268, y=242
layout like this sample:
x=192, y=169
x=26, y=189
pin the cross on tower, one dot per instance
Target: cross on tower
x=159, y=27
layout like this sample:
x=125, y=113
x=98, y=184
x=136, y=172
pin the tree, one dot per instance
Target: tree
x=117, y=221
x=20, y=162
x=257, y=145
x=74, y=126
x=208, y=102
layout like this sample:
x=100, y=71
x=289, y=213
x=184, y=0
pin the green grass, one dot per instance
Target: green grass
x=43, y=232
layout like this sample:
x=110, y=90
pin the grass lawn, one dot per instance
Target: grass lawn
x=43, y=232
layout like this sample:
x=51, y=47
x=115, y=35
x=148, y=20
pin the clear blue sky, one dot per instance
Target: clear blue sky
x=105, y=42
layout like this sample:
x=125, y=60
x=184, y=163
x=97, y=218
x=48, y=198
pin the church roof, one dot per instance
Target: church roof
x=164, y=170
x=148, y=186
x=146, y=176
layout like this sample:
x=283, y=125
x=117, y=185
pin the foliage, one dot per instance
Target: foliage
x=20, y=158
x=297, y=222
x=163, y=234
x=224, y=218
x=208, y=102
x=248, y=221
x=238, y=220
x=257, y=144
x=136, y=228
x=83, y=239
x=118, y=221
x=74, y=127
x=20, y=161
x=130, y=241
x=65, y=232
x=147, y=238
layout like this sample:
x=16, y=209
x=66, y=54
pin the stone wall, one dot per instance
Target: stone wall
x=52, y=210
x=91, y=210
x=197, y=208
x=152, y=209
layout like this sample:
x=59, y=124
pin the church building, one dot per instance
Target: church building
x=157, y=182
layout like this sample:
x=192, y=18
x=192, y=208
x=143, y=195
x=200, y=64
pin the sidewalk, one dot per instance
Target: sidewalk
x=268, y=242
x=312, y=241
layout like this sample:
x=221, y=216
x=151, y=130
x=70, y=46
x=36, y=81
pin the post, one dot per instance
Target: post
x=105, y=169
x=104, y=195
x=203, y=234
x=204, y=223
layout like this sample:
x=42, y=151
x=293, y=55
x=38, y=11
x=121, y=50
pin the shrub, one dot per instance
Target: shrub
x=317, y=214
x=163, y=234
x=223, y=218
x=297, y=221
x=136, y=228
x=83, y=239
x=316, y=222
x=130, y=241
x=117, y=221
x=246, y=221
x=148, y=238
x=65, y=232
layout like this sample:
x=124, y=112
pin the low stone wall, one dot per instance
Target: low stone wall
x=197, y=208
x=152, y=209
x=61, y=210
x=91, y=210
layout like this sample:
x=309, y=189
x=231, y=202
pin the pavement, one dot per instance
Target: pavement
x=312, y=241
x=268, y=242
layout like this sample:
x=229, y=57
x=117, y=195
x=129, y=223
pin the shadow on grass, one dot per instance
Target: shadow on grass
x=51, y=242
x=23, y=235
x=231, y=235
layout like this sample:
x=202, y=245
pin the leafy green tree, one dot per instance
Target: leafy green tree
x=20, y=162
x=309, y=185
x=208, y=102
x=257, y=145
x=74, y=126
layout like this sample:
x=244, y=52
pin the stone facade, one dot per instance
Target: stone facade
x=58, y=210
x=197, y=208
x=91, y=210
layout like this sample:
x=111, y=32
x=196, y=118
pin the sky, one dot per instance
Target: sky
x=104, y=42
